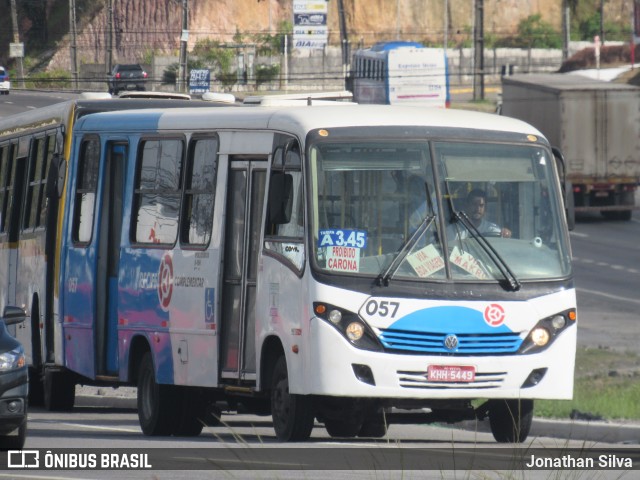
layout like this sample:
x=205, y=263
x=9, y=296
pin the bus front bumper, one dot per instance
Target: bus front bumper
x=352, y=372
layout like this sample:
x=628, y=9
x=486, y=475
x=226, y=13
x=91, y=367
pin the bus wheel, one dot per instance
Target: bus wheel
x=190, y=415
x=36, y=388
x=156, y=403
x=510, y=420
x=59, y=390
x=293, y=415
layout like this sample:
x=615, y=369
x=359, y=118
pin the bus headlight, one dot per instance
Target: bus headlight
x=355, y=331
x=335, y=316
x=558, y=322
x=350, y=326
x=547, y=330
x=540, y=336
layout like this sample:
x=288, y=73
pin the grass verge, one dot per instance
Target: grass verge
x=607, y=387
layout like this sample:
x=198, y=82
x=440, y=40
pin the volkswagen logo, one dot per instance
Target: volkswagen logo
x=451, y=342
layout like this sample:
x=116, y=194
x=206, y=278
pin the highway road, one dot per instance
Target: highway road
x=607, y=272
x=241, y=436
x=19, y=101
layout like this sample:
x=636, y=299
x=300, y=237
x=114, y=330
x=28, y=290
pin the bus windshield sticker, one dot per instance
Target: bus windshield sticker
x=340, y=237
x=343, y=259
x=467, y=262
x=426, y=261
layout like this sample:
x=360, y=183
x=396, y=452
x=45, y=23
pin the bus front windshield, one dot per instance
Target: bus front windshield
x=463, y=211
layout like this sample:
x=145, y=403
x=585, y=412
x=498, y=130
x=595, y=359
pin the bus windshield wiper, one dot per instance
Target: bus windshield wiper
x=502, y=265
x=384, y=277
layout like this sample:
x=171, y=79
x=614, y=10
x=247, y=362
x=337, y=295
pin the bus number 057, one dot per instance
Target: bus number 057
x=382, y=308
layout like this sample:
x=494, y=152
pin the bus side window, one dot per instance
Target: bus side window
x=44, y=200
x=36, y=201
x=200, y=190
x=157, y=192
x=5, y=184
x=285, y=220
x=86, y=187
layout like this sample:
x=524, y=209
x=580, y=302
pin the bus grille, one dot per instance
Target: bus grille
x=468, y=344
x=408, y=379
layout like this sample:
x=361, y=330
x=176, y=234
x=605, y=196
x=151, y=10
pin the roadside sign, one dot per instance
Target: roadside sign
x=199, y=81
x=16, y=50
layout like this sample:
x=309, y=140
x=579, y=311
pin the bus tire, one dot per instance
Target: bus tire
x=36, y=388
x=190, y=415
x=293, y=415
x=59, y=390
x=156, y=403
x=510, y=420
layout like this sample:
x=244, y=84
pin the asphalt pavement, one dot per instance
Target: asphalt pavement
x=593, y=432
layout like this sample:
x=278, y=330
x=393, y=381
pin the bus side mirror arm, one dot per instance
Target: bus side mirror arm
x=567, y=188
x=56, y=177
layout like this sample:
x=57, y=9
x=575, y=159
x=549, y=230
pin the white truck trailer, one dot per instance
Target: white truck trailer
x=595, y=124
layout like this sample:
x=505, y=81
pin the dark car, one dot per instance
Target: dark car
x=14, y=384
x=126, y=77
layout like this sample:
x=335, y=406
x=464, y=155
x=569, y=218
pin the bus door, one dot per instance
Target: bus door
x=92, y=260
x=243, y=225
x=106, y=331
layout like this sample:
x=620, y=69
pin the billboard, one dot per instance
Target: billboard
x=310, y=23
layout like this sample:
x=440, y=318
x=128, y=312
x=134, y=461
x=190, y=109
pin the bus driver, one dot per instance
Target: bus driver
x=476, y=208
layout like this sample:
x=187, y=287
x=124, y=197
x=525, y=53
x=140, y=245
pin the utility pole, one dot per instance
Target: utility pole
x=344, y=42
x=108, y=60
x=16, y=39
x=566, y=29
x=397, y=19
x=446, y=25
x=74, y=46
x=602, y=21
x=184, y=38
x=478, y=42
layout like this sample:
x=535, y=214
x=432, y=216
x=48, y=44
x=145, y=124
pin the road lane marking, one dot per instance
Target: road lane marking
x=608, y=295
x=92, y=427
x=605, y=264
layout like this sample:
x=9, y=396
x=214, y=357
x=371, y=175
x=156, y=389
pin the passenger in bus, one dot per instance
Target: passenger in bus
x=475, y=209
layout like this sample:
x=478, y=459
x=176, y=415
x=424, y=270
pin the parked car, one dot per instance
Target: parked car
x=5, y=84
x=126, y=77
x=14, y=383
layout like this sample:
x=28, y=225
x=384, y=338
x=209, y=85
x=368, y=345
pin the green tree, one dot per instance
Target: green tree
x=533, y=32
x=271, y=45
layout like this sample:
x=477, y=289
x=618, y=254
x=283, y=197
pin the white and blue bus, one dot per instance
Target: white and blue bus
x=314, y=262
x=401, y=73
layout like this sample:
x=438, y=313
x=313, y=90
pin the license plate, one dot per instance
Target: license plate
x=451, y=373
x=602, y=194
